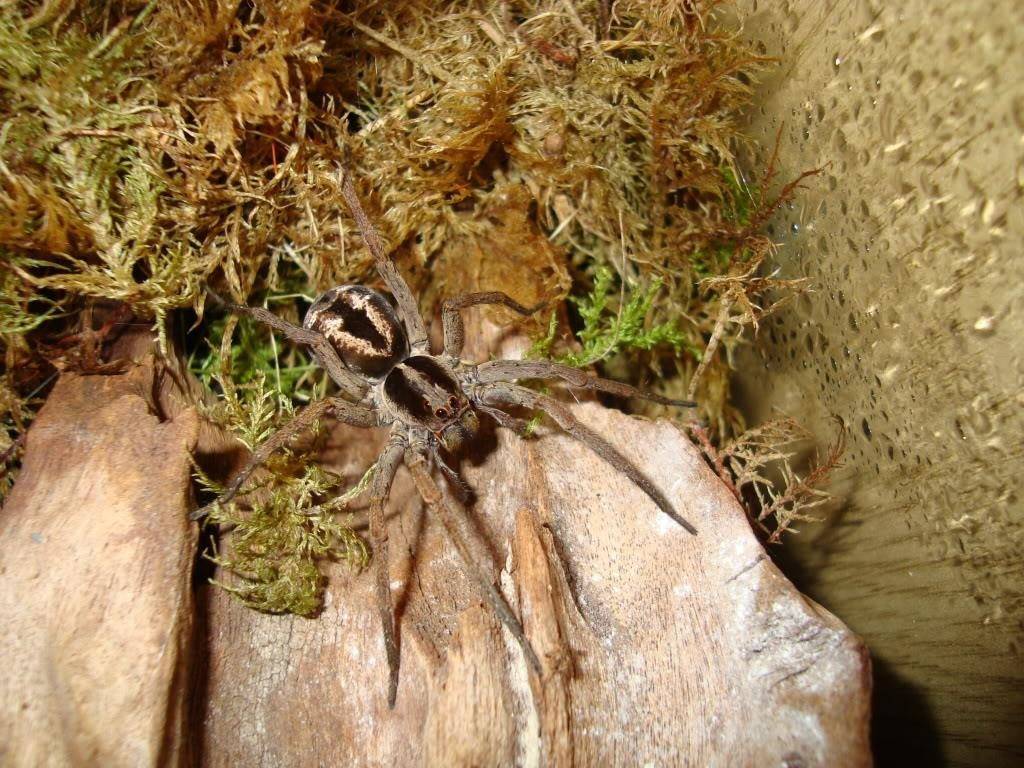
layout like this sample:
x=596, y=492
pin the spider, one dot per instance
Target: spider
x=379, y=357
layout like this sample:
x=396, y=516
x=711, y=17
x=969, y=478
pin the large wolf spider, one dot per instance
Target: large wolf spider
x=380, y=359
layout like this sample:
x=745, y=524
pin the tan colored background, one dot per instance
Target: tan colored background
x=912, y=237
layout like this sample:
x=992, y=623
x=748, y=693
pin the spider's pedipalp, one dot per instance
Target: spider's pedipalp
x=516, y=370
x=463, y=492
x=513, y=395
x=471, y=550
x=387, y=465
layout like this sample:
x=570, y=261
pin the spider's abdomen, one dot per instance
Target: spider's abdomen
x=362, y=327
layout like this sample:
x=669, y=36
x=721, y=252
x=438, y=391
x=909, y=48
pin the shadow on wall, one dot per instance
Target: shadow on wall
x=904, y=731
x=903, y=728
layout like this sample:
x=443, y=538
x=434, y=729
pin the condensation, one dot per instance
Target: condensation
x=911, y=339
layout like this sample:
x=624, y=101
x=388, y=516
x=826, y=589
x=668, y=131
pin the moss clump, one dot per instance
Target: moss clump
x=613, y=324
x=758, y=467
x=542, y=147
x=289, y=520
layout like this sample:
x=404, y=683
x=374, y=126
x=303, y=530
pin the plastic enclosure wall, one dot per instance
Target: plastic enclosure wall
x=912, y=237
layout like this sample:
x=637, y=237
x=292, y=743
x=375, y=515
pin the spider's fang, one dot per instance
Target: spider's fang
x=459, y=431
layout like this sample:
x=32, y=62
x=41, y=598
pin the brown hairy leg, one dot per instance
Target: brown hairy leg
x=347, y=381
x=408, y=310
x=387, y=465
x=469, y=548
x=356, y=415
x=454, y=329
x=514, y=370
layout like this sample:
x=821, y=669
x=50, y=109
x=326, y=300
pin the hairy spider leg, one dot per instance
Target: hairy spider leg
x=348, y=382
x=515, y=370
x=451, y=319
x=387, y=465
x=408, y=310
x=356, y=415
x=468, y=547
x=512, y=394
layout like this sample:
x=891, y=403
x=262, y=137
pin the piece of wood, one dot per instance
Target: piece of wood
x=659, y=647
x=96, y=556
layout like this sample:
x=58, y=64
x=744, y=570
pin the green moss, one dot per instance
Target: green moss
x=277, y=544
x=614, y=322
x=287, y=520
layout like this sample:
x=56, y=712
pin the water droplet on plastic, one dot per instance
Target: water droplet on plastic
x=985, y=325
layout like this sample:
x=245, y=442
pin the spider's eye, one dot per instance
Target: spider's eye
x=440, y=413
x=453, y=403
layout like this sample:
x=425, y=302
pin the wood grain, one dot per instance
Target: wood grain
x=95, y=568
x=658, y=647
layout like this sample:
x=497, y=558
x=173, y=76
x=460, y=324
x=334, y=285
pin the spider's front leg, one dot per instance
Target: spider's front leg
x=356, y=415
x=451, y=319
x=504, y=394
x=516, y=370
x=470, y=549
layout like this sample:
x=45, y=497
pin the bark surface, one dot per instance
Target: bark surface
x=96, y=556
x=658, y=647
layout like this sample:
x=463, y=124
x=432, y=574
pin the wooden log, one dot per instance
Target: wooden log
x=658, y=648
x=96, y=559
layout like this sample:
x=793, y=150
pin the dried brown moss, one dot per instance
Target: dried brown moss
x=151, y=148
x=148, y=148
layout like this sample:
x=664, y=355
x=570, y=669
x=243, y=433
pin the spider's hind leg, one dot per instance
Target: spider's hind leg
x=326, y=354
x=355, y=415
x=469, y=549
x=408, y=309
x=303, y=420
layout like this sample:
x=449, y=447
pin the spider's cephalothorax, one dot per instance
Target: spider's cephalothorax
x=422, y=391
x=379, y=357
